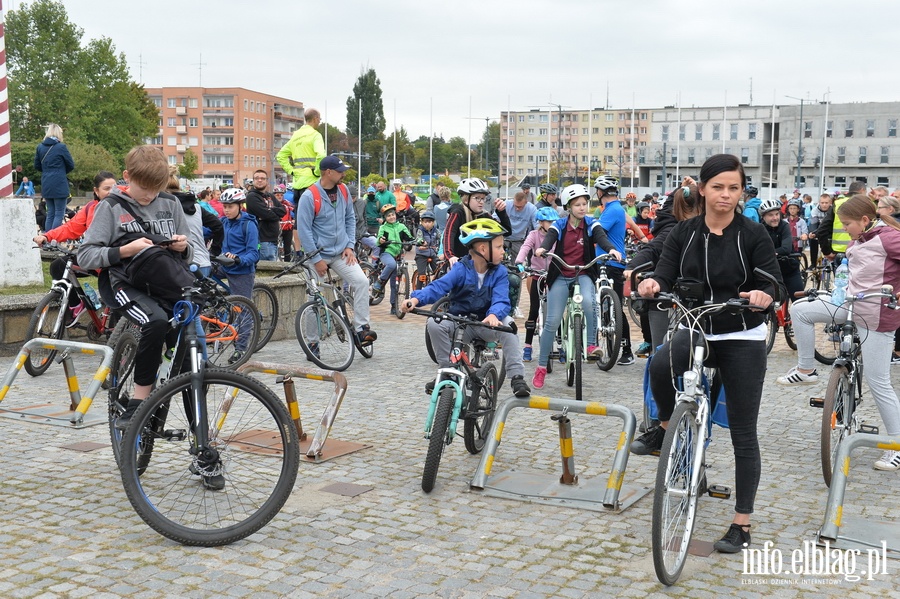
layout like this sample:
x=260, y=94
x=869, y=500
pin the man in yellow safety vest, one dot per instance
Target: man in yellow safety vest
x=301, y=155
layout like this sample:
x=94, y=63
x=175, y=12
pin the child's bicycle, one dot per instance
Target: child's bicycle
x=434, y=269
x=609, y=319
x=400, y=282
x=264, y=301
x=467, y=391
x=324, y=327
x=845, y=385
x=574, y=341
x=681, y=473
x=212, y=455
x=52, y=317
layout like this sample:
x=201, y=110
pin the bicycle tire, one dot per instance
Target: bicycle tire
x=442, y=305
x=789, y=335
x=47, y=322
x=480, y=409
x=609, y=329
x=373, y=276
x=578, y=348
x=259, y=475
x=121, y=384
x=343, y=305
x=834, y=411
x=673, y=525
x=318, y=323
x=804, y=262
x=771, y=330
x=402, y=292
x=232, y=330
x=439, y=438
x=267, y=306
x=827, y=344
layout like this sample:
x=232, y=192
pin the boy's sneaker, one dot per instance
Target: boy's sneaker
x=594, y=351
x=73, y=313
x=562, y=355
x=627, y=358
x=236, y=356
x=795, y=377
x=124, y=418
x=393, y=310
x=895, y=359
x=649, y=442
x=366, y=335
x=643, y=350
x=734, y=540
x=526, y=353
x=517, y=313
x=378, y=287
x=538, y=380
x=890, y=460
x=519, y=386
x=429, y=387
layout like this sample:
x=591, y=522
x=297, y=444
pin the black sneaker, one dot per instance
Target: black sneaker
x=215, y=482
x=366, y=335
x=519, y=386
x=734, y=540
x=649, y=442
x=393, y=310
x=236, y=356
x=124, y=418
x=627, y=358
x=429, y=387
x=314, y=350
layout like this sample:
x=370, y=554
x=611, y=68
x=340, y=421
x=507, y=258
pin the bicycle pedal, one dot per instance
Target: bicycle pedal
x=868, y=429
x=816, y=402
x=719, y=491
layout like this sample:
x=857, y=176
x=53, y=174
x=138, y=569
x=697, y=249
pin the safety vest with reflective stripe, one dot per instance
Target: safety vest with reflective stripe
x=301, y=155
x=840, y=239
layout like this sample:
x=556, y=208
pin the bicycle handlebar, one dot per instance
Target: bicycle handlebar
x=298, y=262
x=602, y=257
x=886, y=291
x=461, y=320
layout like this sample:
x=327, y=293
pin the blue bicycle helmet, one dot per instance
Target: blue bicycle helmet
x=547, y=213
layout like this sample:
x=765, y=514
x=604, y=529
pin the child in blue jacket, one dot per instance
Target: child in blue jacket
x=241, y=243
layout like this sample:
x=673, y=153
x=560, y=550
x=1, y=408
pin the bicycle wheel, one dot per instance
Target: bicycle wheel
x=675, y=501
x=121, y=384
x=47, y=322
x=258, y=456
x=267, y=306
x=325, y=337
x=827, y=343
x=374, y=298
x=771, y=330
x=609, y=329
x=344, y=307
x=442, y=305
x=837, y=418
x=578, y=348
x=440, y=435
x=402, y=292
x=232, y=331
x=480, y=409
x=789, y=335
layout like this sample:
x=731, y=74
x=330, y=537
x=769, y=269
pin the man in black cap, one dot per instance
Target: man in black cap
x=526, y=189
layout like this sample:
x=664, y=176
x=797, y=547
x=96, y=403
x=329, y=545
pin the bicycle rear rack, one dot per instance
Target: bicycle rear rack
x=313, y=448
x=864, y=534
x=566, y=490
x=79, y=403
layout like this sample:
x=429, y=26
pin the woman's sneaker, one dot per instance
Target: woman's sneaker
x=795, y=377
x=734, y=540
x=539, y=374
x=650, y=442
x=890, y=460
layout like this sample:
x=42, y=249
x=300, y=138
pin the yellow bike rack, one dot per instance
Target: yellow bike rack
x=313, y=448
x=566, y=490
x=79, y=404
x=863, y=534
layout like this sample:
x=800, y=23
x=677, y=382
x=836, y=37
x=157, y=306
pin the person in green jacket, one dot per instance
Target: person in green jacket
x=301, y=155
x=391, y=238
x=373, y=211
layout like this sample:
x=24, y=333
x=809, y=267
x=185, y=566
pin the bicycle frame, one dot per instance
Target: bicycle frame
x=455, y=378
x=69, y=284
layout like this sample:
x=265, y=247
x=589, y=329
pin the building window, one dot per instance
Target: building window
x=681, y=132
x=698, y=132
x=870, y=128
x=692, y=158
x=531, y=118
x=862, y=155
x=192, y=102
x=608, y=145
x=709, y=153
x=734, y=131
x=674, y=156
x=883, y=181
x=848, y=128
x=171, y=141
x=584, y=131
x=542, y=131
x=885, y=154
x=715, y=135
x=745, y=155
x=892, y=128
x=643, y=116
x=530, y=158
x=608, y=131
x=665, y=133
x=170, y=102
x=192, y=122
x=521, y=118
x=643, y=131
x=543, y=118
x=842, y=154
x=584, y=145
x=170, y=122
x=807, y=129
x=609, y=116
x=751, y=134
x=595, y=130
x=531, y=144
x=541, y=145
x=521, y=145
x=621, y=116
x=829, y=126
x=157, y=102
x=621, y=130
x=642, y=156
x=245, y=142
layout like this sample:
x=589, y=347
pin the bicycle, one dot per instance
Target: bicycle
x=191, y=459
x=609, y=319
x=572, y=328
x=681, y=473
x=844, y=392
x=821, y=276
x=434, y=269
x=324, y=327
x=400, y=279
x=467, y=391
x=50, y=316
x=264, y=300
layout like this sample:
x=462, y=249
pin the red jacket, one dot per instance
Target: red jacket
x=76, y=226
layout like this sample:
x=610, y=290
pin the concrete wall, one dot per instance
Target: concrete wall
x=17, y=227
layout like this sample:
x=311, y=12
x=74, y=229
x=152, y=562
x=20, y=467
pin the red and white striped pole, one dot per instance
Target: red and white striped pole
x=6, y=181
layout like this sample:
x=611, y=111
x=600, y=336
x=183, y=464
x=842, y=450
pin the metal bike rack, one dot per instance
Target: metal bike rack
x=313, y=448
x=566, y=490
x=79, y=403
x=863, y=533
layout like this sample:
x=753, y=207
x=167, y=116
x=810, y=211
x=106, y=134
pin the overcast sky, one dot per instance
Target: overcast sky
x=521, y=54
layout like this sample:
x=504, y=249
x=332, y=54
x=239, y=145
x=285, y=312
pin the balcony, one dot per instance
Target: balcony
x=180, y=110
x=221, y=130
x=287, y=117
x=218, y=111
x=218, y=149
x=181, y=130
x=181, y=149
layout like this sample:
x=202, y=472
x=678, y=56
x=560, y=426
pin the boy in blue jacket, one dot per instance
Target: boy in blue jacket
x=241, y=243
x=476, y=286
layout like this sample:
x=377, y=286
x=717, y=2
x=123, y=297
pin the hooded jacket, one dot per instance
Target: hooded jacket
x=874, y=261
x=242, y=240
x=53, y=160
x=662, y=226
x=195, y=224
x=268, y=212
x=751, y=209
x=466, y=296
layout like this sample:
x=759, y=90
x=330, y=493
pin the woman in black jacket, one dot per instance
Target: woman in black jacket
x=719, y=249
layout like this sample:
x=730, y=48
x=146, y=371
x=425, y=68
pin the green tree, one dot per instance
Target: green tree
x=338, y=142
x=89, y=160
x=190, y=165
x=487, y=149
x=368, y=90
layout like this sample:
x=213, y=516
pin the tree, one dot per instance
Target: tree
x=488, y=148
x=338, y=142
x=189, y=167
x=367, y=89
x=89, y=160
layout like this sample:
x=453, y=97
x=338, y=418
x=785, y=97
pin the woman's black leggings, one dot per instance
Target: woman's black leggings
x=534, y=306
x=742, y=368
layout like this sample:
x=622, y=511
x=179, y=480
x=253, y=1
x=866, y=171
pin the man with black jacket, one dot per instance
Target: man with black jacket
x=268, y=213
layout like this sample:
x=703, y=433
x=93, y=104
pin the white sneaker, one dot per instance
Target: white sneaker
x=795, y=377
x=518, y=314
x=890, y=460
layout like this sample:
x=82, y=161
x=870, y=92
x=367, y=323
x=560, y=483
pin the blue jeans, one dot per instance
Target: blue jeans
x=268, y=250
x=56, y=212
x=242, y=285
x=557, y=296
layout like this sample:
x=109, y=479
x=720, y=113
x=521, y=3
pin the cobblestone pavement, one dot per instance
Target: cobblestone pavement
x=69, y=530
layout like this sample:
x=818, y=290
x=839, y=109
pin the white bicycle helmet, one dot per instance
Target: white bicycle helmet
x=573, y=191
x=473, y=185
x=768, y=206
x=606, y=183
x=235, y=195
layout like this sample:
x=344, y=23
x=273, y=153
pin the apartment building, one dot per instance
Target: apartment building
x=232, y=130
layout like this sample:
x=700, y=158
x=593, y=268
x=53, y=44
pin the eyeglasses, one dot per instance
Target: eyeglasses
x=260, y=178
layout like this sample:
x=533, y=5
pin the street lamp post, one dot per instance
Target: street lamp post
x=595, y=167
x=799, y=142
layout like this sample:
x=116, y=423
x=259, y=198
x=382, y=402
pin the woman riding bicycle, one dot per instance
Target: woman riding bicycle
x=574, y=237
x=716, y=254
x=874, y=261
